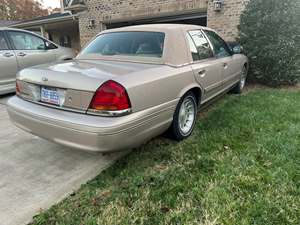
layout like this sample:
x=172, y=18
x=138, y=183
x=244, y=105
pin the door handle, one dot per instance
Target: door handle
x=7, y=54
x=22, y=54
x=202, y=73
x=225, y=65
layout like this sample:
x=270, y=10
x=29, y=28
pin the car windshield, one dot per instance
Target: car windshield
x=140, y=44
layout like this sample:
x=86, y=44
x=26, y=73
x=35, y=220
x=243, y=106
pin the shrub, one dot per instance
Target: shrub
x=270, y=34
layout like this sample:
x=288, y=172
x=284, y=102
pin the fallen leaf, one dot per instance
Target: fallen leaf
x=164, y=209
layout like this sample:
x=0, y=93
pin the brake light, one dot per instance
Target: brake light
x=18, y=89
x=111, y=96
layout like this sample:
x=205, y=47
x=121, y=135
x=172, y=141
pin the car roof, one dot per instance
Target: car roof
x=21, y=30
x=157, y=28
x=13, y=29
x=6, y=28
x=175, y=36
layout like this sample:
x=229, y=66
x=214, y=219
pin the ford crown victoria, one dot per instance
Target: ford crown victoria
x=127, y=86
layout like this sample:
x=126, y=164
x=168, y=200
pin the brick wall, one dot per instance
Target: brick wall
x=86, y=33
x=106, y=11
x=226, y=21
x=103, y=11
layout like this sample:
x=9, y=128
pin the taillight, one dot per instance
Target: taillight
x=111, y=96
x=18, y=89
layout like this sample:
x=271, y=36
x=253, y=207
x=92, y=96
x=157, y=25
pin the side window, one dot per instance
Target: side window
x=25, y=41
x=200, y=47
x=3, y=43
x=193, y=48
x=220, y=47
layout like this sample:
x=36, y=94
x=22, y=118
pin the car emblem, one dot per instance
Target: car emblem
x=45, y=79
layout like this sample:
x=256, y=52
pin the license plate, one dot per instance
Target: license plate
x=50, y=96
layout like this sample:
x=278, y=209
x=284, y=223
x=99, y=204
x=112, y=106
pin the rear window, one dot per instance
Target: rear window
x=141, y=44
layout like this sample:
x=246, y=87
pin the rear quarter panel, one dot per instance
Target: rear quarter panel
x=158, y=85
x=241, y=60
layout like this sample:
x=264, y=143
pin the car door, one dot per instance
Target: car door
x=8, y=62
x=231, y=70
x=207, y=70
x=30, y=49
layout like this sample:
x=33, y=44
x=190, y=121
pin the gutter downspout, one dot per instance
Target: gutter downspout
x=62, y=8
x=43, y=31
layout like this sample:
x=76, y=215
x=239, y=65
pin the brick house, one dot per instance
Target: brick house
x=80, y=20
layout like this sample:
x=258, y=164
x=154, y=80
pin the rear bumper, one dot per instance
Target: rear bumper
x=87, y=132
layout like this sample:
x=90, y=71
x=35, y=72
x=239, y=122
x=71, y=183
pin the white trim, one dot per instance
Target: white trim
x=70, y=3
x=45, y=21
x=106, y=113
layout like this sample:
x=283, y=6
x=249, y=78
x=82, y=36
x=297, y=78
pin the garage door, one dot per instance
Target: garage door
x=192, y=18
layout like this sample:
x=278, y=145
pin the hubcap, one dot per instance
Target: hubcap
x=187, y=116
x=243, y=79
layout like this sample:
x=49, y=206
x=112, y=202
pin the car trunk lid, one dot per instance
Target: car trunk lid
x=83, y=75
x=71, y=85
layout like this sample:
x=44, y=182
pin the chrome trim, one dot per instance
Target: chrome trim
x=36, y=100
x=31, y=97
x=10, y=81
x=52, y=106
x=105, y=113
x=209, y=41
x=177, y=66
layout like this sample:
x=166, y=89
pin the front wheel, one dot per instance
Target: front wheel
x=184, y=117
x=238, y=89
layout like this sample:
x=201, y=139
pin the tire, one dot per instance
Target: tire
x=238, y=89
x=186, y=113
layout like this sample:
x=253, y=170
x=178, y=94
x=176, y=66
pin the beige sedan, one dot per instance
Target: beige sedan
x=127, y=86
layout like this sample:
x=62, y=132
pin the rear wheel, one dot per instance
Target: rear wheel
x=184, y=117
x=238, y=89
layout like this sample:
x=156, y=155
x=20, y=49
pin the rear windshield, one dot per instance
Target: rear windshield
x=141, y=44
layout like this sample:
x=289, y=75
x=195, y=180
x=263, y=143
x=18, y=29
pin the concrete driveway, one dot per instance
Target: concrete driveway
x=35, y=174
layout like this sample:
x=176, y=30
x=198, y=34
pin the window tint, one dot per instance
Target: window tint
x=146, y=44
x=193, y=48
x=3, y=43
x=199, y=45
x=220, y=47
x=25, y=41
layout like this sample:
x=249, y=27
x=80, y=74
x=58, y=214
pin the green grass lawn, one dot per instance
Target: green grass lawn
x=241, y=166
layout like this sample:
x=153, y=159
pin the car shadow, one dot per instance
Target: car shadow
x=4, y=98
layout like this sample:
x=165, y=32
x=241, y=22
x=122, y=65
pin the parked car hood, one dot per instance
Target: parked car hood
x=85, y=75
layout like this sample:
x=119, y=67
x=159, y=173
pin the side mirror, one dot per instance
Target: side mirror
x=238, y=49
x=235, y=47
